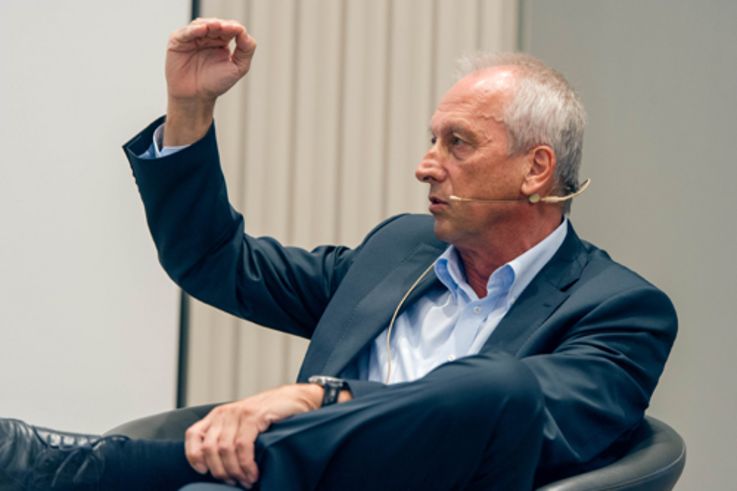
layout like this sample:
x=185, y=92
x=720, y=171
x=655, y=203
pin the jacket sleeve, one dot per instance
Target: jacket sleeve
x=598, y=380
x=202, y=246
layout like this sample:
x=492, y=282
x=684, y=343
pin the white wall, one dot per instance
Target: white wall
x=658, y=78
x=88, y=321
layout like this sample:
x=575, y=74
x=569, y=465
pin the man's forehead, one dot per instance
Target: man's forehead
x=480, y=95
x=488, y=81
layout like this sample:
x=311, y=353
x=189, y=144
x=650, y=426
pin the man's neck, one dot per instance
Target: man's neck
x=480, y=259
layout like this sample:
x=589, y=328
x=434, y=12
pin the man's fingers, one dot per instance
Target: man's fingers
x=215, y=33
x=228, y=442
x=222, y=29
x=227, y=452
x=244, y=447
x=211, y=451
x=189, y=33
x=193, y=447
x=208, y=28
x=245, y=46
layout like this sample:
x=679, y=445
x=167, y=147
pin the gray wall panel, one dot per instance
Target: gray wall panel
x=658, y=78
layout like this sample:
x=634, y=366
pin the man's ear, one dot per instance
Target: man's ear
x=540, y=174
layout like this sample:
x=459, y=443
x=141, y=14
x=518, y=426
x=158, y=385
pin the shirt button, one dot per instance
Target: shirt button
x=451, y=358
x=477, y=310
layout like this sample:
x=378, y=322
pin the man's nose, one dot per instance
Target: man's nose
x=429, y=169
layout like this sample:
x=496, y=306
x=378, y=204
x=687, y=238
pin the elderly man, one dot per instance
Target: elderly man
x=483, y=347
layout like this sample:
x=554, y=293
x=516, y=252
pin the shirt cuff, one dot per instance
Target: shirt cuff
x=156, y=151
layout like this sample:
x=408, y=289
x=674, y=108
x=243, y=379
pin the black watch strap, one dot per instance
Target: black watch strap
x=331, y=388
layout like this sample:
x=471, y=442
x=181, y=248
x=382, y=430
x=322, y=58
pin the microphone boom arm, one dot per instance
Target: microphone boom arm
x=534, y=198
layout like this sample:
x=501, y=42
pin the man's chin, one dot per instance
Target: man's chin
x=442, y=230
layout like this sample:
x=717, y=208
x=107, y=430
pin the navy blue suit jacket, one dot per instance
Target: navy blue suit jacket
x=595, y=334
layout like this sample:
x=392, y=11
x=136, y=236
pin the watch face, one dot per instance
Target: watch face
x=331, y=385
x=326, y=380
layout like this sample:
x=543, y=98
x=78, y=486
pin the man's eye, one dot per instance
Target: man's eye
x=456, y=141
x=433, y=140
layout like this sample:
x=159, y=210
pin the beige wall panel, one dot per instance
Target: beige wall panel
x=224, y=9
x=230, y=113
x=260, y=362
x=411, y=68
x=267, y=181
x=498, y=25
x=269, y=177
x=198, y=359
x=456, y=34
x=319, y=54
x=291, y=358
x=212, y=355
x=270, y=119
x=251, y=163
x=363, y=114
x=320, y=142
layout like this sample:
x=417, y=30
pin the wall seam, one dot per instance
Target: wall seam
x=387, y=102
x=338, y=215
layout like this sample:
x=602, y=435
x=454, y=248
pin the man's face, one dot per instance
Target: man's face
x=469, y=157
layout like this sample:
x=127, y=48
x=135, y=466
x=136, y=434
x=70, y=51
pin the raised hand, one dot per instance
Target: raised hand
x=200, y=67
x=199, y=61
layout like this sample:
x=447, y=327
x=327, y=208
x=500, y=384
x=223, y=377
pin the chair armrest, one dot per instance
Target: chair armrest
x=654, y=463
x=169, y=425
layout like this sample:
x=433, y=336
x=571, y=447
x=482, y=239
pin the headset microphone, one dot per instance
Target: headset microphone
x=533, y=198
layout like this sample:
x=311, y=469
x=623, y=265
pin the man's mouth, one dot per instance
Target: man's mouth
x=437, y=205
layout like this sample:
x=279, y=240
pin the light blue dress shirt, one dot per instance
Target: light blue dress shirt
x=444, y=325
x=155, y=151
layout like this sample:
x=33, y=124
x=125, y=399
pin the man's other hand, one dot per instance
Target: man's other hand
x=224, y=441
x=200, y=67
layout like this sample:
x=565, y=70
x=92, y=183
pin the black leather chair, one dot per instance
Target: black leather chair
x=654, y=463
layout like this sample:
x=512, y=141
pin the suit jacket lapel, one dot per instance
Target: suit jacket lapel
x=541, y=297
x=372, y=313
x=341, y=339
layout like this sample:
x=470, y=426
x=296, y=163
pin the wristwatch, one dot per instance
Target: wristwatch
x=331, y=386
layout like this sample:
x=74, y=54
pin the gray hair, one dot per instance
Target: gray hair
x=544, y=110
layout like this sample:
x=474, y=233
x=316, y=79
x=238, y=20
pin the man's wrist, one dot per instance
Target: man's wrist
x=187, y=121
x=345, y=396
x=314, y=394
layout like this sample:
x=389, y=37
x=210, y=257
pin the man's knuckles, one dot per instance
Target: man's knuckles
x=243, y=448
x=224, y=448
x=193, y=432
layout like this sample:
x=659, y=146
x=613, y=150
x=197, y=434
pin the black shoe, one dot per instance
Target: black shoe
x=35, y=459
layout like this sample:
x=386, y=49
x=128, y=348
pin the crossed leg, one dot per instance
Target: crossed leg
x=474, y=424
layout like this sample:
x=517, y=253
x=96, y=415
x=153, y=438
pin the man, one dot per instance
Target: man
x=485, y=347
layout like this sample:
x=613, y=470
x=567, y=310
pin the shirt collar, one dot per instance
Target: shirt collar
x=528, y=264
x=510, y=278
x=448, y=270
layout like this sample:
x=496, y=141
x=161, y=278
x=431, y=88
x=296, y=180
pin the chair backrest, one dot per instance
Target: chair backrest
x=654, y=463
x=169, y=425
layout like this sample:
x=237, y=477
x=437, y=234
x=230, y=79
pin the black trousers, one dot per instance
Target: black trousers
x=474, y=424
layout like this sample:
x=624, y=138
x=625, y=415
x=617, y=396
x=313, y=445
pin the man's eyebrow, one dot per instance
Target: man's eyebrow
x=452, y=127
